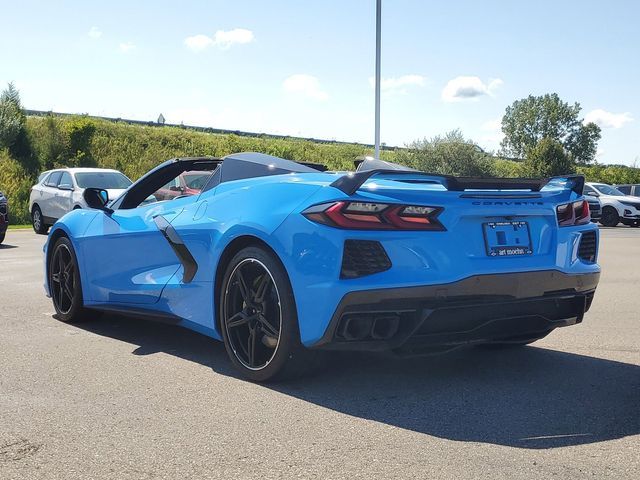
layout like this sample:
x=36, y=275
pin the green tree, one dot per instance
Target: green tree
x=12, y=118
x=450, y=154
x=526, y=122
x=583, y=143
x=548, y=159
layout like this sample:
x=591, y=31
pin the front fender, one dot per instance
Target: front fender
x=73, y=225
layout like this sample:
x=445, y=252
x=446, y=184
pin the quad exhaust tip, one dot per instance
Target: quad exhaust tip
x=365, y=327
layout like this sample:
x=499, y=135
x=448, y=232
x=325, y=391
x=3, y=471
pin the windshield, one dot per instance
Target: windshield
x=609, y=190
x=106, y=180
x=196, y=180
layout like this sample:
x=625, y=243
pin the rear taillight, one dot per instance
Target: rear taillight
x=375, y=216
x=574, y=213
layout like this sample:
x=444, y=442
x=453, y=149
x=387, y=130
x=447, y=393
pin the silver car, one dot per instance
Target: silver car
x=60, y=191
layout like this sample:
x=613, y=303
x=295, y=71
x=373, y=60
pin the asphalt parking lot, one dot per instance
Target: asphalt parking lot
x=129, y=399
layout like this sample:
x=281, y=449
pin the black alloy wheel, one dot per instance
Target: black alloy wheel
x=258, y=317
x=252, y=313
x=64, y=282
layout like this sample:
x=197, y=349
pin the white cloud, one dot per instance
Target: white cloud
x=197, y=43
x=399, y=84
x=95, y=32
x=126, y=47
x=306, y=85
x=222, y=39
x=468, y=88
x=605, y=119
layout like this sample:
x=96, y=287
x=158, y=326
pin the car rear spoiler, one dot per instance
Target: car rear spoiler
x=351, y=182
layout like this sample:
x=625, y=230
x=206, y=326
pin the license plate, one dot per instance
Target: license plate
x=507, y=239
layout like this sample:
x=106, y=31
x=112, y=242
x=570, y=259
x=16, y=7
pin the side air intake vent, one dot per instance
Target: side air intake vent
x=587, y=248
x=363, y=257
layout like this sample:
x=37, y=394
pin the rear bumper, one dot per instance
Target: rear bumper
x=478, y=309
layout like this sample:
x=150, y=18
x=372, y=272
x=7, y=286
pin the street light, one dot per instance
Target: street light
x=377, y=83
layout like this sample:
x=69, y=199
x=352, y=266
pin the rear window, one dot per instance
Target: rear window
x=106, y=180
x=197, y=180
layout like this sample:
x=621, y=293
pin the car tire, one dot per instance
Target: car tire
x=610, y=217
x=2, y=235
x=64, y=282
x=258, y=318
x=37, y=221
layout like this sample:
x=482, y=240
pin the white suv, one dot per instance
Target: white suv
x=60, y=191
x=616, y=206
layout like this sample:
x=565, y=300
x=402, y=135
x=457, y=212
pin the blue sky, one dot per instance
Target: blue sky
x=305, y=68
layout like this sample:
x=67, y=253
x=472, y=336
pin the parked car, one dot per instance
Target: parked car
x=188, y=183
x=616, y=206
x=4, y=216
x=278, y=259
x=60, y=191
x=632, y=189
x=595, y=207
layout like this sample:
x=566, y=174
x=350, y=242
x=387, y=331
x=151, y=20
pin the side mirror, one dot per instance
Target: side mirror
x=592, y=194
x=65, y=186
x=175, y=189
x=97, y=198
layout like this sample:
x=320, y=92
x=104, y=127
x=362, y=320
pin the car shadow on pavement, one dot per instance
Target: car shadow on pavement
x=6, y=246
x=527, y=397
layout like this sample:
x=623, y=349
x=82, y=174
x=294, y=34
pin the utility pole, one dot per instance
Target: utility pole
x=377, y=84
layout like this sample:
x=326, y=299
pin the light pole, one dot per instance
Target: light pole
x=377, y=83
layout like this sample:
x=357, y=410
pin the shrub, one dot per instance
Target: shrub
x=548, y=159
x=450, y=154
x=15, y=183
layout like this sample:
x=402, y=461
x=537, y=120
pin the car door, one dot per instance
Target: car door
x=128, y=257
x=63, y=197
x=46, y=199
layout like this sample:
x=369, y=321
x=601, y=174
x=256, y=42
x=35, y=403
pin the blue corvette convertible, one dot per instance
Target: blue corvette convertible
x=282, y=259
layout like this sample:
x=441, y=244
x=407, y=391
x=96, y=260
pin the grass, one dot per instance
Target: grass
x=19, y=227
x=51, y=141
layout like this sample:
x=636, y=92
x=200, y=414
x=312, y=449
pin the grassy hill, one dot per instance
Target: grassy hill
x=53, y=141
